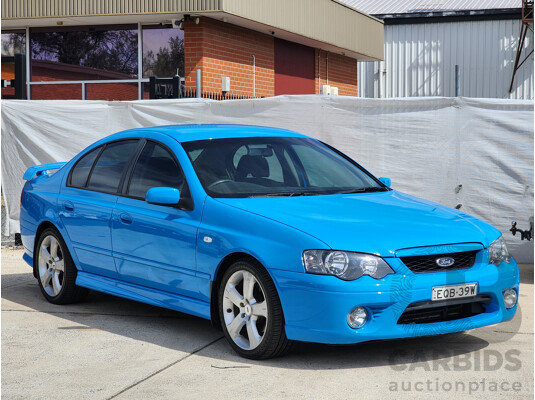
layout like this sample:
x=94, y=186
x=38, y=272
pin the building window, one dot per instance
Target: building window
x=90, y=53
x=84, y=54
x=95, y=63
x=163, y=52
x=13, y=42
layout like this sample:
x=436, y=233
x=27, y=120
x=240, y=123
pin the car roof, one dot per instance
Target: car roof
x=188, y=133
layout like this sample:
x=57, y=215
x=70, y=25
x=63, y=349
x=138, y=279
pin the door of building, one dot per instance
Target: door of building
x=294, y=68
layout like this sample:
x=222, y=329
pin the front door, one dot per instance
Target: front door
x=154, y=245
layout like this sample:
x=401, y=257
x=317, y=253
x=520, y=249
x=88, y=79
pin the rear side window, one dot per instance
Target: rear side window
x=110, y=165
x=155, y=167
x=81, y=170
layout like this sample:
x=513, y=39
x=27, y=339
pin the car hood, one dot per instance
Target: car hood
x=378, y=223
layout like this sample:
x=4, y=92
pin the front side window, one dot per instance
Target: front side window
x=110, y=166
x=155, y=167
x=278, y=166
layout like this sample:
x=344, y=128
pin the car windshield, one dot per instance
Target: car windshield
x=276, y=166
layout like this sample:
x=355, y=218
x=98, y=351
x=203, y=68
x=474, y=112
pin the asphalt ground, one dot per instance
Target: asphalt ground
x=109, y=347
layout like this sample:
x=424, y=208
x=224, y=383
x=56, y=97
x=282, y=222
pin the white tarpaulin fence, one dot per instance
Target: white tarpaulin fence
x=428, y=146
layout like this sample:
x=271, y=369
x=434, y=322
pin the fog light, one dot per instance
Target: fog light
x=357, y=317
x=509, y=298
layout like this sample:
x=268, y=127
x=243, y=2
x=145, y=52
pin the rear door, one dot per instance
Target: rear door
x=154, y=245
x=87, y=201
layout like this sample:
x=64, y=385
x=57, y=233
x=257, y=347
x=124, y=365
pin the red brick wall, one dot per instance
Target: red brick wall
x=220, y=49
x=342, y=73
x=56, y=92
x=111, y=91
x=94, y=91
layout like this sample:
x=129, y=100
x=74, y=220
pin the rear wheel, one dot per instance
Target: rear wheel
x=55, y=269
x=250, y=312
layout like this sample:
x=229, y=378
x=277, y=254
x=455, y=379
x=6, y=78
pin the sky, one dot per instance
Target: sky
x=153, y=39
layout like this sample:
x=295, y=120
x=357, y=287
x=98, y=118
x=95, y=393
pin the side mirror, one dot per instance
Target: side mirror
x=386, y=181
x=163, y=196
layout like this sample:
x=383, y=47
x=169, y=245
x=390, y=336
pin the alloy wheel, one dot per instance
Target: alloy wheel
x=51, y=265
x=245, y=310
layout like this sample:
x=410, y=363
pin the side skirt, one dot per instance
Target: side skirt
x=144, y=294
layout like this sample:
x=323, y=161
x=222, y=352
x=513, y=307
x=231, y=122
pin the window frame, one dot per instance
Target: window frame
x=69, y=177
x=102, y=148
x=186, y=200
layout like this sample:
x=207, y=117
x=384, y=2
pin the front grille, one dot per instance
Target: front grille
x=428, y=263
x=446, y=310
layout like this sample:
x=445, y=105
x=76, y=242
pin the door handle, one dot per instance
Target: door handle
x=125, y=218
x=67, y=205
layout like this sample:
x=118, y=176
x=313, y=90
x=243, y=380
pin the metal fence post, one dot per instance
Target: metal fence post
x=20, y=76
x=198, y=84
x=152, y=87
x=457, y=81
x=176, y=87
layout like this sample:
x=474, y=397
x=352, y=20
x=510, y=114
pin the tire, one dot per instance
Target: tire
x=56, y=272
x=251, y=313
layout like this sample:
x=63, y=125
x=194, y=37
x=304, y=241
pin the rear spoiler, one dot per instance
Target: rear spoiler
x=41, y=170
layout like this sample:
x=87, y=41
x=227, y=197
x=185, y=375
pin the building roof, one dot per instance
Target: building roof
x=375, y=7
x=328, y=25
x=79, y=71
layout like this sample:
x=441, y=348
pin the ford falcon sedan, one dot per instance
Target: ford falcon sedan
x=272, y=235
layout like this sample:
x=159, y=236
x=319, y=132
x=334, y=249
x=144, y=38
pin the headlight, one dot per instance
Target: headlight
x=345, y=265
x=498, y=252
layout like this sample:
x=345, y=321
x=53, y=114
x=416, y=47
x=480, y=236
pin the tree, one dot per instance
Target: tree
x=107, y=50
x=167, y=61
x=15, y=43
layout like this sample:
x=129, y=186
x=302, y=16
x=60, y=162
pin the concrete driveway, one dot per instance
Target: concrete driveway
x=109, y=348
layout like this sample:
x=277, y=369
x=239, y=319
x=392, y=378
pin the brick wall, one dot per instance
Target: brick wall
x=220, y=49
x=111, y=91
x=342, y=73
x=48, y=71
x=56, y=92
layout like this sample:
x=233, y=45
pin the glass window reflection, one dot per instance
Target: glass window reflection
x=163, y=52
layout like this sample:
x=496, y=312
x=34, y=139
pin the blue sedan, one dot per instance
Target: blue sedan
x=273, y=236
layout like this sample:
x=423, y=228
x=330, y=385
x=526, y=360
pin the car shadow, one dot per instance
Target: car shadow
x=132, y=319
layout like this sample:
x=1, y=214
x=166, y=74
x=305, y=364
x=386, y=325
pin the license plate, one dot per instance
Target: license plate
x=454, y=291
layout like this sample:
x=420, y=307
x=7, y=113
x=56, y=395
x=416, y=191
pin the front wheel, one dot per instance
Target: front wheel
x=250, y=312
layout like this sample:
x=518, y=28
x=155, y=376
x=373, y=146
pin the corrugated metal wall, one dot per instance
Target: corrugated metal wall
x=411, y=6
x=49, y=8
x=420, y=60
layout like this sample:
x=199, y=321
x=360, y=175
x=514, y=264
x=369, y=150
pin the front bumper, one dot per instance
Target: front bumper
x=316, y=306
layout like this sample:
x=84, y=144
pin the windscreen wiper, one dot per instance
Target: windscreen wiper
x=364, y=190
x=284, y=194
